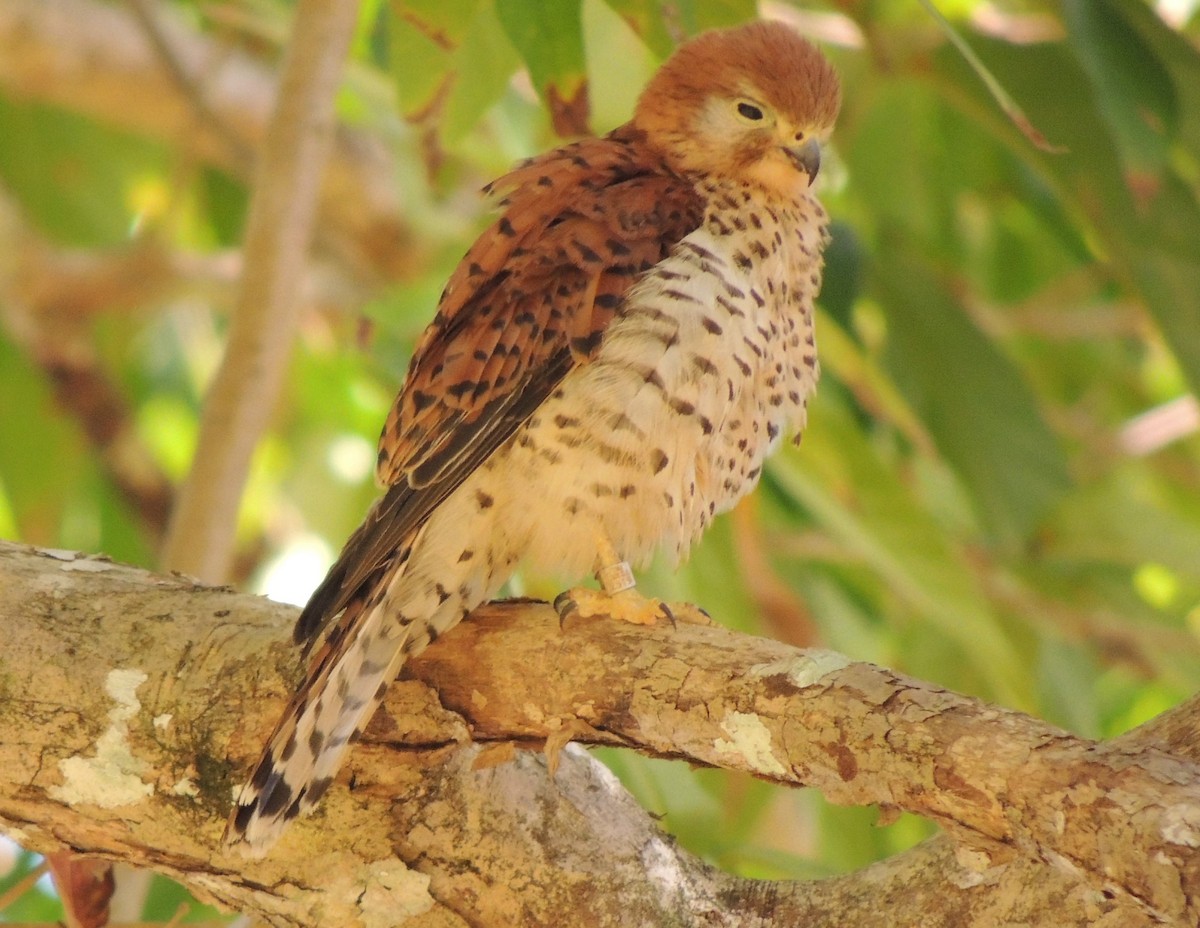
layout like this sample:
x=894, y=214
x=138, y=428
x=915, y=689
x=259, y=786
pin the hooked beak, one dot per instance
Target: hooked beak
x=806, y=157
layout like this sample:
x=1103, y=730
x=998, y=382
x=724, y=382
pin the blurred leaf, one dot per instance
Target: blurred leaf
x=1134, y=90
x=483, y=65
x=1147, y=233
x=976, y=406
x=645, y=18
x=995, y=87
x=548, y=34
x=1181, y=58
x=1119, y=521
x=1064, y=673
x=225, y=203
x=1163, y=249
x=39, y=465
x=698, y=15
x=839, y=479
x=844, y=265
x=619, y=63
x=72, y=176
x=452, y=55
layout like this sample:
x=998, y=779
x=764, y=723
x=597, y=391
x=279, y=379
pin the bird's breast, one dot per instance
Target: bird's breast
x=709, y=363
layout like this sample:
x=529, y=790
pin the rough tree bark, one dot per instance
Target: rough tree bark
x=131, y=705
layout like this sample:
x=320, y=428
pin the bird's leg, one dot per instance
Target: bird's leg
x=619, y=599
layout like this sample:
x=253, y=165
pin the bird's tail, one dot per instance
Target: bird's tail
x=345, y=684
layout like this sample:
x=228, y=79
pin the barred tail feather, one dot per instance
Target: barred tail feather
x=345, y=685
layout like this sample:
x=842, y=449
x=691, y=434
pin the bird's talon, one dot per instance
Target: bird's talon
x=565, y=606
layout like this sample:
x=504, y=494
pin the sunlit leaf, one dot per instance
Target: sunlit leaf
x=548, y=34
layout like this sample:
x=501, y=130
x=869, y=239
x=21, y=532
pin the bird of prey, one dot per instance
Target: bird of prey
x=608, y=368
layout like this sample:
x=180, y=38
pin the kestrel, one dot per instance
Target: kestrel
x=608, y=368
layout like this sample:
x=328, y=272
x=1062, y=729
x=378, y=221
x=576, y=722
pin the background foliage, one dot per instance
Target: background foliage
x=999, y=489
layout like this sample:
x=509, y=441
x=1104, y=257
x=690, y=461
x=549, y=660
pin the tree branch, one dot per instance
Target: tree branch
x=278, y=234
x=132, y=704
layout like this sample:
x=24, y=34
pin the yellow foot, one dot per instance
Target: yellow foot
x=626, y=606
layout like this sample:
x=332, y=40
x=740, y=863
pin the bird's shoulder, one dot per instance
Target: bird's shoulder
x=576, y=228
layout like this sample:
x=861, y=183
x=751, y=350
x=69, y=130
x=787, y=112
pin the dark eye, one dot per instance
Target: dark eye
x=750, y=111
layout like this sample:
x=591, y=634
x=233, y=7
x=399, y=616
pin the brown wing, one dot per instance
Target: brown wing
x=529, y=301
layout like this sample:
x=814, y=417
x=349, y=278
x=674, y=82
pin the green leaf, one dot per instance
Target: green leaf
x=423, y=38
x=619, y=64
x=838, y=477
x=645, y=18
x=483, y=65
x=548, y=34
x=698, y=15
x=1147, y=234
x=1135, y=92
x=844, y=266
x=1164, y=250
x=39, y=466
x=73, y=176
x=974, y=403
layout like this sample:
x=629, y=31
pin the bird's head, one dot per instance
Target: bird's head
x=752, y=103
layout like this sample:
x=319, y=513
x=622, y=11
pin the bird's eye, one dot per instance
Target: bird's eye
x=750, y=111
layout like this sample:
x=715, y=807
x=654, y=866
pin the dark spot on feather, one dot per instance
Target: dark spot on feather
x=680, y=295
x=729, y=307
x=241, y=821
x=317, y=790
x=280, y=799
x=586, y=345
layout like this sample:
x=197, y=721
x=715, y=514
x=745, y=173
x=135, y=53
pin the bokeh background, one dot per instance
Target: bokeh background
x=999, y=488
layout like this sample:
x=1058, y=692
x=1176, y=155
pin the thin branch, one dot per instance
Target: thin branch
x=278, y=234
x=128, y=692
x=993, y=84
